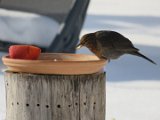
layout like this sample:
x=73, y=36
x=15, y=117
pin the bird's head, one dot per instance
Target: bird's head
x=86, y=40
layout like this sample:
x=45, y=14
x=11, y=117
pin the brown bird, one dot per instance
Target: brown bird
x=109, y=45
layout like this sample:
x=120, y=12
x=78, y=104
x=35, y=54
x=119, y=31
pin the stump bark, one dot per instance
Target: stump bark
x=55, y=97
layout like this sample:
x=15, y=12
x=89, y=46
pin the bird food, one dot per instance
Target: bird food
x=24, y=52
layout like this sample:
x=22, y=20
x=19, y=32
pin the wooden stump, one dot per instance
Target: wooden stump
x=55, y=97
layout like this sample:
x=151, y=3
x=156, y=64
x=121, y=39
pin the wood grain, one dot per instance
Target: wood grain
x=55, y=97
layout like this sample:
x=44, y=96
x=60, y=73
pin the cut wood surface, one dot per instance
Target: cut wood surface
x=55, y=97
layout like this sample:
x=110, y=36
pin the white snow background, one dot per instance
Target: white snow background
x=133, y=84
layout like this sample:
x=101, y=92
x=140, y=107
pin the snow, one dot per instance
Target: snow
x=26, y=27
x=133, y=84
x=135, y=100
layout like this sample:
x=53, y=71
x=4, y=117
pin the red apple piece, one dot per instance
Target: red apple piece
x=27, y=52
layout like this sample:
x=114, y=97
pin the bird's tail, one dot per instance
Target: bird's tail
x=141, y=55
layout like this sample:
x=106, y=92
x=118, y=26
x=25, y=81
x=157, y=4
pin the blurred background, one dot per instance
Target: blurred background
x=133, y=84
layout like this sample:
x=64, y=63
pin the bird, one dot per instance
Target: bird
x=109, y=45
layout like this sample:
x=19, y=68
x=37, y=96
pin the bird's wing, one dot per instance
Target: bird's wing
x=114, y=40
x=102, y=40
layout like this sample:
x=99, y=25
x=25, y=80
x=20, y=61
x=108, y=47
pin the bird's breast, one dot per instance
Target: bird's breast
x=95, y=50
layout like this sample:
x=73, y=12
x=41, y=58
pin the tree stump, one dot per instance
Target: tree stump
x=55, y=97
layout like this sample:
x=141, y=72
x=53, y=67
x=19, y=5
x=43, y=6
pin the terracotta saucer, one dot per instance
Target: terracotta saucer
x=57, y=63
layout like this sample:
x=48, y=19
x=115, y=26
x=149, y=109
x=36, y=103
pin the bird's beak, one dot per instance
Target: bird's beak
x=79, y=46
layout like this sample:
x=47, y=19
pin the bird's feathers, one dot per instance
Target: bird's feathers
x=141, y=55
x=110, y=45
x=114, y=40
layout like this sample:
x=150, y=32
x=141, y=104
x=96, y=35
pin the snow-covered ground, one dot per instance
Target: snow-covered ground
x=133, y=84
